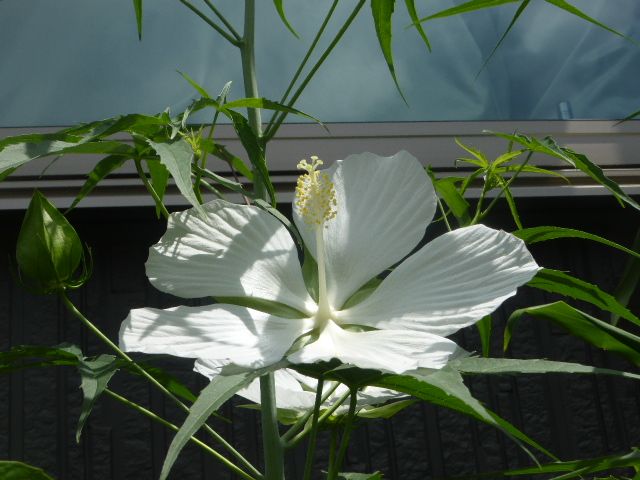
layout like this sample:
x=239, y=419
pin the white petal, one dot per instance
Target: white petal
x=450, y=283
x=233, y=251
x=225, y=333
x=384, y=205
x=387, y=350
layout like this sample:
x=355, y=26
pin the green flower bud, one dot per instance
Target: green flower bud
x=49, y=251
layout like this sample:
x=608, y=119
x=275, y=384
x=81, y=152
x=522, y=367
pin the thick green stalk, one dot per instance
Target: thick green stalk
x=247, y=54
x=107, y=341
x=162, y=421
x=271, y=441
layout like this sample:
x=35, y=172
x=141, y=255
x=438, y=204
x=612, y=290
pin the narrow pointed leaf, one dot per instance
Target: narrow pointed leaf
x=555, y=281
x=102, y=169
x=382, y=11
x=12, y=470
x=269, y=105
x=576, y=160
x=280, y=9
x=448, y=191
x=159, y=180
x=629, y=117
x=630, y=279
x=137, y=6
x=484, y=327
x=27, y=356
x=195, y=85
x=470, y=6
x=543, y=234
x=567, y=7
x=360, y=476
x=386, y=411
x=446, y=388
x=512, y=366
x=413, y=14
x=592, y=330
x=221, y=389
x=177, y=157
x=95, y=375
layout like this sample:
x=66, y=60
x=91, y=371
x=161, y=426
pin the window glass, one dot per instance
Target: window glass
x=68, y=61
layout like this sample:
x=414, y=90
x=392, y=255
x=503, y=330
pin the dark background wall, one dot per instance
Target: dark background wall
x=572, y=416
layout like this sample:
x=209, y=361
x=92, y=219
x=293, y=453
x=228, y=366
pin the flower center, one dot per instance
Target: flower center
x=315, y=194
x=316, y=202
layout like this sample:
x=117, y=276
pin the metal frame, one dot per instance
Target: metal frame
x=612, y=146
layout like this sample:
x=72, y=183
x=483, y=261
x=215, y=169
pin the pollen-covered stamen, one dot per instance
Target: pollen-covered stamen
x=315, y=194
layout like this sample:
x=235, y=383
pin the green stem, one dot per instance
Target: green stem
x=162, y=421
x=311, y=448
x=302, y=421
x=444, y=213
x=334, y=468
x=150, y=189
x=218, y=14
x=247, y=54
x=96, y=331
x=304, y=61
x=321, y=420
x=314, y=69
x=271, y=441
x=210, y=22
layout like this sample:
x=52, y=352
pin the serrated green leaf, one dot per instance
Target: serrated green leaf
x=448, y=191
x=102, y=169
x=579, y=161
x=159, y=179
x=512, y=366
x=446, y=388
x=219, y=390
x=592, y=330
x=555, y=281
x=413, y=14
x=177, y=157
x=12, y=470
x=95, y=375
x=137, y=7
x=382, y=11
x=484, y=327
x=530, y=169
x=280, y=8
x=542, y=234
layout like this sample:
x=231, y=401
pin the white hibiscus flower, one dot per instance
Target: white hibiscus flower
x=358, y=218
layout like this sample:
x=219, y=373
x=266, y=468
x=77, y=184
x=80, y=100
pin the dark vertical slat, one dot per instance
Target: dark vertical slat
x=61, y=403
x=16, y=404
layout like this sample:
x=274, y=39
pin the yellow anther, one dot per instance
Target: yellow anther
x=315, y=194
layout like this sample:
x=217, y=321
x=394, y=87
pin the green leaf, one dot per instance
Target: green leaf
x=159, y=180
x=195, y=85
x=470, y=6
x=177, y=157
x=630, y=279
x=579, y=161
x=14, y=155
x=167, y=380
x=567, y=7
x=579, y=468
x=225, y=182
x=543, y=234
x=413, y=14
x=446, y=388
x=448, y=191
x=49, y=250
x=555, y=281
x=484, y=329
x=530, y=169
x=596, y=332
x=28, y=356
x=269, y=105
x=102, y=169
x=629, y=117
x=281, y=218
x=502, y=366
x=382, y=11
x=385, y=411
x=255, y=150
x=11, y=470
x=95, y=375
x=280, y=8
x=137, y=6
x=360, y=476
x=221, y=389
